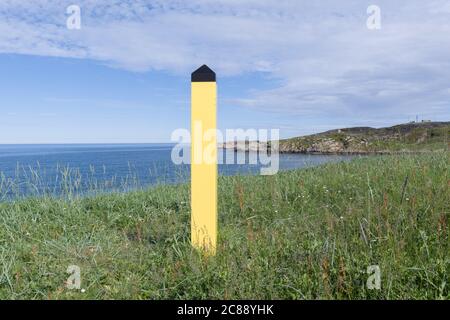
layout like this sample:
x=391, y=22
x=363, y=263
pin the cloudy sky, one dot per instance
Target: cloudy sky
x=300, y=66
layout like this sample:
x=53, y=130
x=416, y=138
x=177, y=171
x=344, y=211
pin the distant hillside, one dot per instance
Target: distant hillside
x=411, y=137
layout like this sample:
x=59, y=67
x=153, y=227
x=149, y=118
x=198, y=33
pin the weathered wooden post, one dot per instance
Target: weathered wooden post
x=204, y=160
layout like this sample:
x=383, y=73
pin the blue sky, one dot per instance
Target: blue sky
x=300, y=66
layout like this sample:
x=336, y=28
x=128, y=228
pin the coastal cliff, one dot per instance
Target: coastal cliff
x=411, y=137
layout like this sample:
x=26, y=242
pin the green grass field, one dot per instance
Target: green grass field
x=305, y=234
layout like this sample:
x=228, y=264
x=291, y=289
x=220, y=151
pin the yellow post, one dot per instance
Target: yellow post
x=204, y=160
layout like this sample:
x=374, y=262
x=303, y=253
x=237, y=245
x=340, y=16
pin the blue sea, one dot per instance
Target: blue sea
x=33, y=170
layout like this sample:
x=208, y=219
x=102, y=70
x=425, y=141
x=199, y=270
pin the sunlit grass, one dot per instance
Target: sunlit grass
x=304, y=234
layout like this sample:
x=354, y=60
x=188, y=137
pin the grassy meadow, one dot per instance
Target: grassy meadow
x=303, y=234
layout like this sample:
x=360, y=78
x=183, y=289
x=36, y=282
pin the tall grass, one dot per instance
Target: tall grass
x=304, y=234
x=67, y=182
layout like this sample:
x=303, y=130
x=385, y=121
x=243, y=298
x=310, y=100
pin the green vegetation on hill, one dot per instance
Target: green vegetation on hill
x=413, y=137
x=304, y=234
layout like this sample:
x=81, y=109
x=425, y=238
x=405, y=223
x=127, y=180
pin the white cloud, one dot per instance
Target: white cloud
x=322, y=54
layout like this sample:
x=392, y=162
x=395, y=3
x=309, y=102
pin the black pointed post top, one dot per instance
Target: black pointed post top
x=203, y=74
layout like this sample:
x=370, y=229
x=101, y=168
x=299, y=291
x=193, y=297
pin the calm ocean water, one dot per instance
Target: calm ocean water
x=75, y=169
